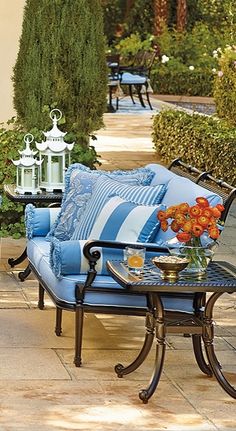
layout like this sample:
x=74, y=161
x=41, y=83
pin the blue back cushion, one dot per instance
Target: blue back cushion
x=79, y=183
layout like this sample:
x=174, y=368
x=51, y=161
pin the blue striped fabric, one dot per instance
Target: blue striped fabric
x=121, y=220
x=105, y=188
x=79, y=183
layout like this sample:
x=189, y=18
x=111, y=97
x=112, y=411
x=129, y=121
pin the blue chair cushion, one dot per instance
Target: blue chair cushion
x=105, y=188
x=79, y=183
x=128, y=78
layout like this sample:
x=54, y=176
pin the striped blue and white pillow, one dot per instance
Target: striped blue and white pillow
x=105, y=188
x=79, y=183
x=121, y=220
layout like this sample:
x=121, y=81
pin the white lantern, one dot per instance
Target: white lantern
x=27, y=180
x=55, y=156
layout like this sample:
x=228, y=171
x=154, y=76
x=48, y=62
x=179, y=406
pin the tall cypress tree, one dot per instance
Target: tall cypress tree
x=61, y=63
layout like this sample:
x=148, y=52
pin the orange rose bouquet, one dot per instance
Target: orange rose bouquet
x=190, y=223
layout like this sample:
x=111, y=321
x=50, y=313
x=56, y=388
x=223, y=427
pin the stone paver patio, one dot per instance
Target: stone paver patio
x=40, y=387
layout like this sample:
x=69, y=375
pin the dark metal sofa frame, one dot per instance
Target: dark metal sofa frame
x=179, y=321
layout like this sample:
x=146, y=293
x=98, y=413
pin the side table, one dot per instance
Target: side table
x=41, y=198
x=221, y=278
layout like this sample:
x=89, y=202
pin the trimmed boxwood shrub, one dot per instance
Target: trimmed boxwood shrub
x=205, y=142
x=184, y=82
x=225, y=85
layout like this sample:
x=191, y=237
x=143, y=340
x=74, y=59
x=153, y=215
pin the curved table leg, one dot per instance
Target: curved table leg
x=208, y=337
x=145, y=394
x=120, y=369
x=198, y=353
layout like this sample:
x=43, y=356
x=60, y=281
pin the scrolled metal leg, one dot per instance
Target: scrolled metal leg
x=79, y=322
x=145, y=394
x=208, y=338
x=120, y=369
x=197, y=348
x=140, y=96
x=131, y=94
x=58, y=329
x=41, y=297
x=24, y=274
x=13, y=262
x=148, y=100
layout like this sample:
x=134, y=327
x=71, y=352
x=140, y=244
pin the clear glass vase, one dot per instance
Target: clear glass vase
x=199, y=258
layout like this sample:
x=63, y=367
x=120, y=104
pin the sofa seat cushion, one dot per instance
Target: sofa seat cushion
x=79, y=183
x=63, y=290
x=105, y=188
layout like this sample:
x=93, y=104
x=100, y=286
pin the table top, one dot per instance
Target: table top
x=220, y=277
x=43, y=197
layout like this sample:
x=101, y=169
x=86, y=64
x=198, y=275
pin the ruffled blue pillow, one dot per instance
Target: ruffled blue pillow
x=79, y=183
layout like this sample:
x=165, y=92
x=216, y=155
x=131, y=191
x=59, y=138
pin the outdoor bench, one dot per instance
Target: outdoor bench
x=101, y=213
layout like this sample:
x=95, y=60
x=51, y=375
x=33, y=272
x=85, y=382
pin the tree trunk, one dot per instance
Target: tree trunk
x=129, y=5
x=160, y=15
x=181, y=15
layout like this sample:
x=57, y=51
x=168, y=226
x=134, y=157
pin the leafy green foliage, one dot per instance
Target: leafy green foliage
x=209, y=141
x=61, y=61
x=130, y=46
x=225, y=85
x=191, y=66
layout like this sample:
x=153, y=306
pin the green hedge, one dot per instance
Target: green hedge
x=184, y=82
x=205, y=142
x=225, y=86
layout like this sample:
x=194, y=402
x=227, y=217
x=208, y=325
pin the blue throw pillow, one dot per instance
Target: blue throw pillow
x=121, y=220
x=79, y=183
x=105, y=187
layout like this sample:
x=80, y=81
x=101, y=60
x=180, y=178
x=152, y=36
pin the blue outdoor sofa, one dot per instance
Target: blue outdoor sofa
x=101, y=213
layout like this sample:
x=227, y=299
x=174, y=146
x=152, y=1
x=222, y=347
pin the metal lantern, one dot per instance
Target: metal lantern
x=54, y=153
x=27, y=180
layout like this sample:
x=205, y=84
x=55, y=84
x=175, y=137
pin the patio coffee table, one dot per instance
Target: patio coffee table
x=221, y=278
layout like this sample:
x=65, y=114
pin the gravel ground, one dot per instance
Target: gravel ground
x=198, y=107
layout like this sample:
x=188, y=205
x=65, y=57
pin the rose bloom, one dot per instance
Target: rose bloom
x=191, y=67
x=214, y=232
x=164, y=225
x=202, y=202
x=161, y=215
x=220, y=73
x=183, y=236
